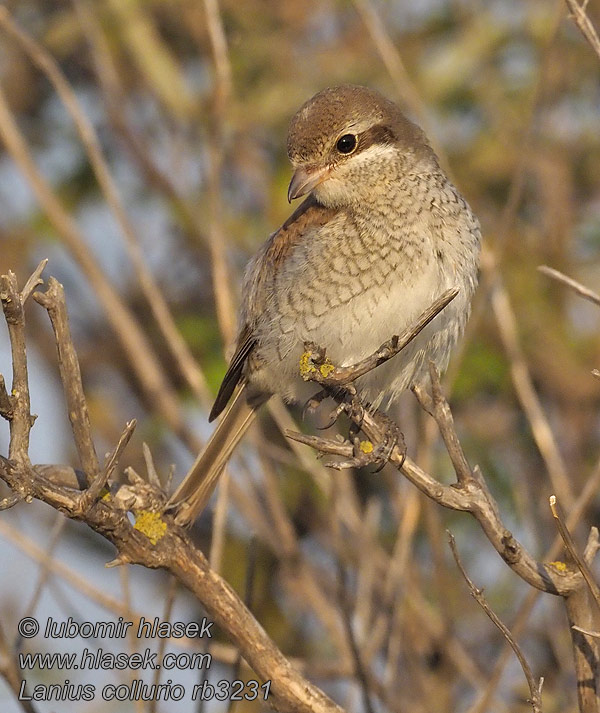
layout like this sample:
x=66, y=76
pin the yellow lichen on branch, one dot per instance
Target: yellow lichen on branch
x=308, y=368
x=150, y=524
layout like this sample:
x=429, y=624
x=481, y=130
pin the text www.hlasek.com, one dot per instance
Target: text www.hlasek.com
x=103, y=660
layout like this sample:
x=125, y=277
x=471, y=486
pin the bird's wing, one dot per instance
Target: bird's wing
x=246, y=343
x=261, y=272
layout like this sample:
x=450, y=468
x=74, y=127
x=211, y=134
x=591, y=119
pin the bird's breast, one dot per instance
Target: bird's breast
x=359, y=279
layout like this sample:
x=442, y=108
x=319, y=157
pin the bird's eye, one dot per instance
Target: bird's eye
x=346, y=144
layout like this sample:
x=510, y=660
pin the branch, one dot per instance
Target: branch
x=21, y=419
x=136, y=346
x=584, y=24
x=53, y=300
x=572, y=550
x=535, y=688
x=571, y=283
x=470, y=493
x=153, y=540
x=9, y=669
x=331, y=375
x=168, y=547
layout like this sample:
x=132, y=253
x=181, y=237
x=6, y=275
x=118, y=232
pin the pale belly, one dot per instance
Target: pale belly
x=354, y=330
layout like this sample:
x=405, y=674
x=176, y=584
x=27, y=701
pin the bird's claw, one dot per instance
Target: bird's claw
x=314, y=402
x=365, y=454
x=393, y=438
x=333, y=417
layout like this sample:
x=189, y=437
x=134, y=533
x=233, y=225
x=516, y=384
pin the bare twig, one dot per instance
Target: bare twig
x=136, y=346
x=586, y=496
x=53, y=300
x=341, y=375
x=172, y=588
x=323, y=445
x=153, y=478
x=9, y=669
x=9, y=502
x=34, y=281
x=89, y=496
x=524, y=388
x=591, y=546
x=216, y=155
x=572, y=549
x=584, y=23
x=346, y=613
x=583, y=614
x=89, y=138
x=535, y=688
x=396, y=69
x=6, y=407
x=587, y=632
x=438, y=407
x=571, y=283
x=21, y=420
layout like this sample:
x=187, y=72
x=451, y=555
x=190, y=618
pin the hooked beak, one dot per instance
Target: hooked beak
x=304, y=180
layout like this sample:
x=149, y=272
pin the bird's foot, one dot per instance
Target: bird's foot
x=364, y=452
x=314, y=402
x=393, y=438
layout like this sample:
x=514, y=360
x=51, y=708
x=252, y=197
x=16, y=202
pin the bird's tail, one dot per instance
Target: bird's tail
x=193, y=494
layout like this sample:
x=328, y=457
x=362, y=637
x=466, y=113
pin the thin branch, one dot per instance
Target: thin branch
x=34, y=281
x=138, y=350
x=583, y=614
x=53, y=300
x=591, y=546
x=216, y=155
x=89, y=138
x=323, y=445
x=587, y=632
x=470, y=494
x=89, y=496
x=437, y=406
x=571, y=283
x=584, y=24
x=572, y=550
x=6, y=407
x=535, y=688
x=9, y=669
x=9, y=502
x=21, y=420
x=359, y=666
x=342, y=375
x=167, y=612
x=524, y=387
x=519, y=623
x=153, y=478
x=397, y=71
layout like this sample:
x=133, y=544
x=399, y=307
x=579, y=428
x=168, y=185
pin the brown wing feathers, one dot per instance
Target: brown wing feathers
x=308, y=214
x=234, y=373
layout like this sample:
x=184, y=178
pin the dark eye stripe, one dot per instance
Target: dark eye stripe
x=376, y=135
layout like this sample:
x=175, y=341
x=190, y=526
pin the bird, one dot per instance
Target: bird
x=381, y=234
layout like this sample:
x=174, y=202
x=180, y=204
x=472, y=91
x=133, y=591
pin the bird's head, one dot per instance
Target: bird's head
x=348, y=141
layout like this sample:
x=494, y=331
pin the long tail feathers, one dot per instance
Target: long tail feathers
x=193, y=494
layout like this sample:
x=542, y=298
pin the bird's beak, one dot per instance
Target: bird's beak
x=305, y=179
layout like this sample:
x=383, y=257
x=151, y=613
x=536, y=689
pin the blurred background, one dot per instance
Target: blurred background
x=148, y=221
